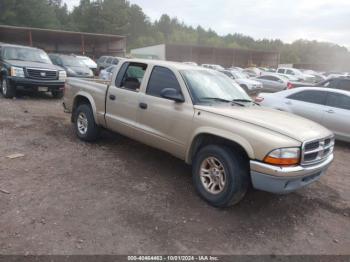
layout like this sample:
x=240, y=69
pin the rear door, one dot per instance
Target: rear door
x=310, y=104
x=337, y=114
x=122, y=100
x=164, y=123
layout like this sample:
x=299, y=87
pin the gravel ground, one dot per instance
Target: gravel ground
x=118, y=196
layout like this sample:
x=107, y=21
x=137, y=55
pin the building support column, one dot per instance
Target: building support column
x=82, y=45
x=30, y=38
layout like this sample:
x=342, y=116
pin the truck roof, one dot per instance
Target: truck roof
x=171, y=64
x=14, y=45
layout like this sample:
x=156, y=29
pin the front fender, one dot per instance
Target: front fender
x=222, y=134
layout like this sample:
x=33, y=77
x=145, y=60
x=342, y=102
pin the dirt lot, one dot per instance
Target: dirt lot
x=120, y=197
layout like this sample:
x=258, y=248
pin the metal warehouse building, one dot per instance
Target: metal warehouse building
x=208, y=55
x=67, y=42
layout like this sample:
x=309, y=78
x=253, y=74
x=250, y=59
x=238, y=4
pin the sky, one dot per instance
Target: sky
x=288, y=20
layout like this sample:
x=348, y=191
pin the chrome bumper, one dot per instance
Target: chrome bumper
x=283, y=180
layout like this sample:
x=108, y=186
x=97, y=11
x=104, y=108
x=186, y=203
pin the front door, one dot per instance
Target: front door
x=164, y=123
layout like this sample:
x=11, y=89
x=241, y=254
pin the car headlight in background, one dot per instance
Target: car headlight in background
x=17, y=71
x=283, y=157
x=62, y=75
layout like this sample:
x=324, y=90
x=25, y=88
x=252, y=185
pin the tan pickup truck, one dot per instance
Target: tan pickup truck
x=203, y=117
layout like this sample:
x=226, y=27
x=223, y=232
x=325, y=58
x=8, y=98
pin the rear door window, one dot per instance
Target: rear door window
x=314, y=97
x=338, y=101
x=130, y=76
x=109, y=60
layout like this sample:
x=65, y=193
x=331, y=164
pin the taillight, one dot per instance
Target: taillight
x=290, y=86
x=259, y=99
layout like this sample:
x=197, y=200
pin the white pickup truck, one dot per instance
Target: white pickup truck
x=203, y=117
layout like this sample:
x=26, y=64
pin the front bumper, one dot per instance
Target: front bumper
x=282, y=180
x=27, y=83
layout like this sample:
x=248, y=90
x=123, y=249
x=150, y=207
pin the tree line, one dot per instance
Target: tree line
x=123, y=18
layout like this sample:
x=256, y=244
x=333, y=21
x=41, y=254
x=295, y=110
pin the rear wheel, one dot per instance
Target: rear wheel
x=85, y=126
x=8, y=90
x=220, y=175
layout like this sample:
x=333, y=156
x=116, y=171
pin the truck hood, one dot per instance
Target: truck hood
x=287, y=124
x=25, y=64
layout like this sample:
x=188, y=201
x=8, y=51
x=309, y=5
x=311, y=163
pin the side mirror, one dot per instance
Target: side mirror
x=172, y=94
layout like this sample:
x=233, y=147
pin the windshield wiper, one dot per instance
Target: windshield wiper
x=244, y=101
x=216, y=99
x=223, y=100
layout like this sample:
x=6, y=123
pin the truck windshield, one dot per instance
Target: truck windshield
x=26, y=54
x=209, y=85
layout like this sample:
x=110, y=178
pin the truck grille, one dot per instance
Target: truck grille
x=316, y=151
x=42, y=74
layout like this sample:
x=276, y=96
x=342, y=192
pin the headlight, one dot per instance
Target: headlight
x=283, y=157
x=62, y=75
x=17, y=71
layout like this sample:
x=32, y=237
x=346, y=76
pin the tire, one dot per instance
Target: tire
x=57, y=94
x=236, y=175
x=85, y=125
x=8, y=90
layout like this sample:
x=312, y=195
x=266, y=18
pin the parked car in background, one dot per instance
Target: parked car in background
x=235, y=68
x=326, y=106
x=273, y=83
x=276, y=82
x=29, y=68
x=106, y=74
x=89, y=63
x=105, y=61
x=212, y=66
x=297, y=73
x=252, y=72
x=267, y=70
x=73, y=66
x=342, y=83
x=199, y=116
x=249, y=85
x=190, y=63
x=318, y=76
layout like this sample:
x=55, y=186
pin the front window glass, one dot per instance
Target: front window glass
x=207, y=85
x=26, y=54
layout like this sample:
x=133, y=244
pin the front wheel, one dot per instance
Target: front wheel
x=220, y=175
x=8, y=90
x=85, y=126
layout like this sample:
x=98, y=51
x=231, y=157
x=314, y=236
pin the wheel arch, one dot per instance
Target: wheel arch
x=207, y=137
x=83, y=98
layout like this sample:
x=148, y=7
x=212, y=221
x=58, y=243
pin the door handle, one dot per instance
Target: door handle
x=112, y=97
x=330, y=111
x=143, y=105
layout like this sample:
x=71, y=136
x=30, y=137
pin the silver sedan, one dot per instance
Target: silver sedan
x=329, y=107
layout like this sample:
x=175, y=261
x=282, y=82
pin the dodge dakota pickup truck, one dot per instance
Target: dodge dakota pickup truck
x=203, y=117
